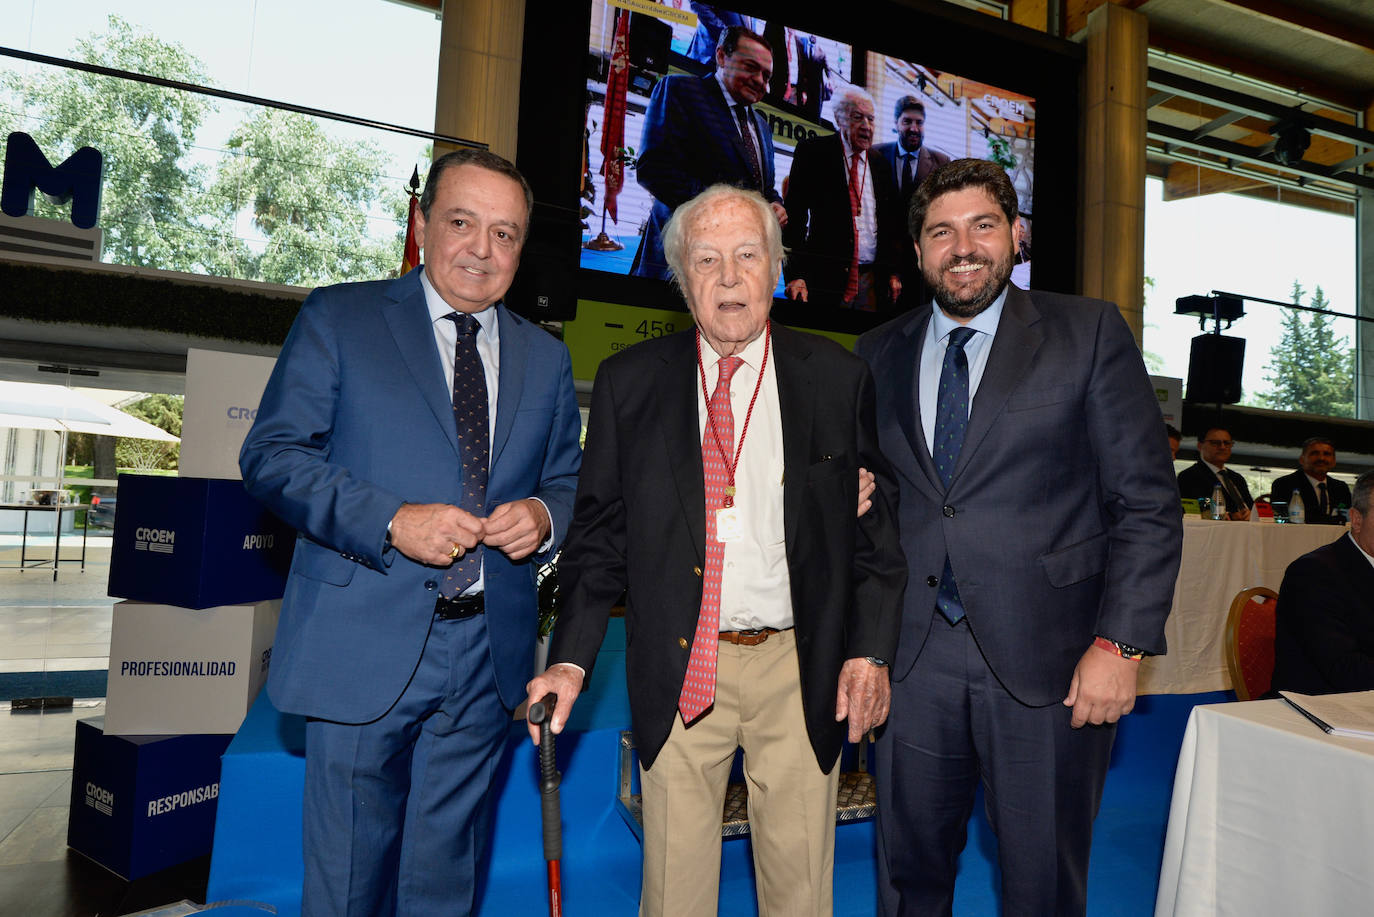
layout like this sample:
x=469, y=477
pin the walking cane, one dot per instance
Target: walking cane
x=540, y=713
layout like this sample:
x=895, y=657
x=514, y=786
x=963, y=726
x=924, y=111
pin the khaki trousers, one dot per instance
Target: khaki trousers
x=791, y=802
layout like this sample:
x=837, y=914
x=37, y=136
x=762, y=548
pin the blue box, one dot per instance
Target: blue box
x=143, y=803
x=196, y=543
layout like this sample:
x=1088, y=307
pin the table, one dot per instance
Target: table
x=1219, y=560
x=59, y=508
x=1269, y=816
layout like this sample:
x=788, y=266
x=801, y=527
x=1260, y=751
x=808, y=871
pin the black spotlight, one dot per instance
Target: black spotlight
x=1290, y=142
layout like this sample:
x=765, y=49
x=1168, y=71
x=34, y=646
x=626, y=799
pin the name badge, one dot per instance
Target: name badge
x=729, y=527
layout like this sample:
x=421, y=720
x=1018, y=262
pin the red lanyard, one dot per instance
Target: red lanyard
x=711, y=420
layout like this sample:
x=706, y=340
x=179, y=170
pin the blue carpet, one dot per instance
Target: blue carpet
x=85, y=683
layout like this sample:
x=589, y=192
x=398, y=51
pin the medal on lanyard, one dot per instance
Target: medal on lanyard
x=729, y=525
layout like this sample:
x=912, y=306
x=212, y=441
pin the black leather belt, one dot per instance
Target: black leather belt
x=459, y=607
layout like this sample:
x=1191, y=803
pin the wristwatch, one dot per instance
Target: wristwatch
x=874, y=660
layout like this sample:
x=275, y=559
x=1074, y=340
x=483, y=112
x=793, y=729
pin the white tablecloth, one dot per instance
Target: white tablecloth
x=1219, y=560
x=1270, y=816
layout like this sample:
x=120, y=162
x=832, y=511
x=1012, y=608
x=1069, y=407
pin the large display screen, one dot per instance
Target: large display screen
x=944, y=85
x=630, y=53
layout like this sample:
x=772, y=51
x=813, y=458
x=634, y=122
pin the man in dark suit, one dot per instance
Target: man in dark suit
x=702, y=130
x=911, y=162
x=1325, y=500
x=1324, y=632
x=813, y=76
x=1198, y=479
x=843, y=222
x=1038, y=576
x=759, y=612
x=424, y=442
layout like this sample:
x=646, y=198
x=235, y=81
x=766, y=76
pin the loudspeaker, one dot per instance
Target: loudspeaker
x=650, y=40
x=545, y=286
x=1214, y=368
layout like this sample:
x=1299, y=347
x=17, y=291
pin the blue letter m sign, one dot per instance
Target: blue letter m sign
x=77, y=180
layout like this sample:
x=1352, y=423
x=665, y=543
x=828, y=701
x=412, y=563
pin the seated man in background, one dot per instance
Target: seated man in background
x=1197, y=480
x=1323, y=497
x=1175, y=439
x=1324, y=634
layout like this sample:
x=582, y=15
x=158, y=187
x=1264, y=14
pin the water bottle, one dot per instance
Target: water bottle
x=1296, y=512
x=1218, y=501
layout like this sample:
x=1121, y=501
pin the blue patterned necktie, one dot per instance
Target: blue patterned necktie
x=951, y=421
x=474, y=443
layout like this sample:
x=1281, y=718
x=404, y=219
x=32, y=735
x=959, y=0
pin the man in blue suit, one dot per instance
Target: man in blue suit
x=701, y=131
x=1038, y=576
x=424, y=442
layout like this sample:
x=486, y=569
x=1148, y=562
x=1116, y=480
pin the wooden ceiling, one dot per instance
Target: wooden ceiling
x=1235, y=87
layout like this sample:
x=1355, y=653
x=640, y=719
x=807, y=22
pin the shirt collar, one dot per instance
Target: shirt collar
x=1216, y=469
x=729, y=99
x=985, y=321
x=849, y=151
x=1351, y=536
x=903, y=151
x=438, y=309
x=1313, y=481
x=751, y=355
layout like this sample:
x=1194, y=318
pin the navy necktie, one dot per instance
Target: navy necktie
x=951, y=421
x=906, y=173
x=470, y=414
x=1321, y=500
x=747, y=136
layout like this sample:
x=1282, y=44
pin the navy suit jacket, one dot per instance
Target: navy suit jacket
x=640, y=527
x=1324, y=631
x=1337, y=494
x=357, y=418
x=691, y=141
x=1197, y=480
x=820, y=223
x=927, y=161
x=1061, y=521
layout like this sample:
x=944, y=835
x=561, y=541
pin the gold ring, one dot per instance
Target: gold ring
x=457, y=550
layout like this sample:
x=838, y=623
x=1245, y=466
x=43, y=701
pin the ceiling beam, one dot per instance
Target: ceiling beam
x=1260, y=108
x=1303, y=169
x=1164, y=40
x=1297, y=18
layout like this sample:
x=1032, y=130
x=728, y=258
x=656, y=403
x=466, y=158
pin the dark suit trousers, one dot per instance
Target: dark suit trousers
x=953, y=724
x=397, y=810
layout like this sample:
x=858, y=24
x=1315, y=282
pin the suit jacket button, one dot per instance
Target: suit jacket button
x=948, y=511
x=932, y=581
x=682, y=642
x=697, y=571
x=431, y=585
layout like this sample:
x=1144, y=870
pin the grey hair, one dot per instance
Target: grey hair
x=1359, y=496
x=848, y=97
x=675, y=232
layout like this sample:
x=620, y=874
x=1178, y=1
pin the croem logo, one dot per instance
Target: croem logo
x=160, y=541
x=100, y=799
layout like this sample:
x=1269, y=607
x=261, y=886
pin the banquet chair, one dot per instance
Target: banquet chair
x=1250, y=641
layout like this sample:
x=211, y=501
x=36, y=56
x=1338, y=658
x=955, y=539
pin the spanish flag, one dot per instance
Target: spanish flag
x=411, y=259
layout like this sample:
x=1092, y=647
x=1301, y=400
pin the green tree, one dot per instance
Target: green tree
x=1310, y=370
x=153, y=211
x=1154, y=363
x=163, y=412
x=310, y=196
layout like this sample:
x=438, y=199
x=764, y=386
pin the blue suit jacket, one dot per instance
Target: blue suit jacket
x=691, y=141
x=356, y=419
x=1061, y=521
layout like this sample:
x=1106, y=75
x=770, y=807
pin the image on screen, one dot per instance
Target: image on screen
x=657, y=125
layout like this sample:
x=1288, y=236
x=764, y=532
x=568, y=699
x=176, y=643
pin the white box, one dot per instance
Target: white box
x=175, y=671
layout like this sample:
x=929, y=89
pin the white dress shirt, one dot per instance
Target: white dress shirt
x=755, y=590
x=866, y=223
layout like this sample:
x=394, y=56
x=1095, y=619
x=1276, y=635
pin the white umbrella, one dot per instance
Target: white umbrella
x=33, y=406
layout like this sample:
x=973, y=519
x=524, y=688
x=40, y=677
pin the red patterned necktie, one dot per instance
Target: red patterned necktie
x=717, y=448
x=856, y=195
